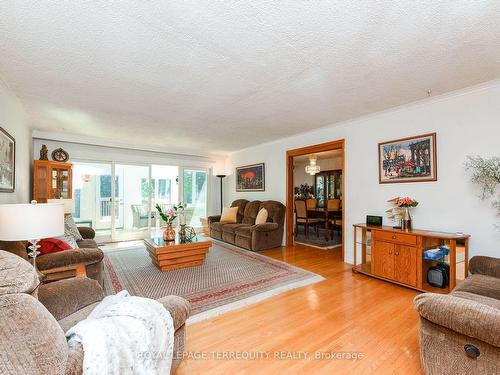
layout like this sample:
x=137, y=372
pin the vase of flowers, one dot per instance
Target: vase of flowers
x=168, y=216
x=406, y=203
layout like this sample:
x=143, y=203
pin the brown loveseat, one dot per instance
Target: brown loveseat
x=33, y=320
x=460, y=332
x=88, y=255
x=244, y=232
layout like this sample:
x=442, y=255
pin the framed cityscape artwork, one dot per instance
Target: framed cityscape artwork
x=7, y=162
x=250, y=178
x=410, y=159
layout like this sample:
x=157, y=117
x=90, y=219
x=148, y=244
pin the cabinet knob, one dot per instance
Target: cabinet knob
x=396, y=253
x=393, y=236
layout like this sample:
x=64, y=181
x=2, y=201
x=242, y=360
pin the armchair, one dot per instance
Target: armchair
x=460, y=332
x=33, y=342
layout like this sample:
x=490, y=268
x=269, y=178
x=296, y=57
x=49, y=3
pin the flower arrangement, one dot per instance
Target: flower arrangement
x=169, y=216
x=303, y=191
x=406, y=202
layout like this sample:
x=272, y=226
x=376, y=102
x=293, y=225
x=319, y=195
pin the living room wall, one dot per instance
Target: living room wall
x=13, y=119
x=467, y=122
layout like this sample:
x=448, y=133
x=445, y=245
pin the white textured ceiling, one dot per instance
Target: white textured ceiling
x=218, y=76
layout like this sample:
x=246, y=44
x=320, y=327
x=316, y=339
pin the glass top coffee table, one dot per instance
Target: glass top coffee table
x=177, y=254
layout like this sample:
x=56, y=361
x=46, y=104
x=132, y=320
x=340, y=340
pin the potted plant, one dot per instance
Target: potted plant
x=486, y=174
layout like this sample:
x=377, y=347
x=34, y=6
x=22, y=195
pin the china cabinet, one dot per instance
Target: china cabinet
x=51, y=179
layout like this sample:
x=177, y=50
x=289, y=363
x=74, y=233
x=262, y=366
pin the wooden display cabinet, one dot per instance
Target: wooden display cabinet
x=396, y=255
x=327, y=185
x=51, y=179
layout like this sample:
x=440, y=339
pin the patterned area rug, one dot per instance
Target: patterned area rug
x=229, y=278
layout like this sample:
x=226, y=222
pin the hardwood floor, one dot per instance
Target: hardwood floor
x=346, y=313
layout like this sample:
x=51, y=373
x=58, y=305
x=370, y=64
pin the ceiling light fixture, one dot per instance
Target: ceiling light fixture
x=312, y=168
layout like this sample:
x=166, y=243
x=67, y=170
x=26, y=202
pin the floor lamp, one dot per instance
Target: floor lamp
x=221, y=176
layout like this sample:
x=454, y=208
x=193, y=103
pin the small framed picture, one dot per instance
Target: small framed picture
x=250, y=178
x=7, y=162
x=410, y=159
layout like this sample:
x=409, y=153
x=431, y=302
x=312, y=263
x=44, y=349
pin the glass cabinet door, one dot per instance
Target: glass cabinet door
x=60, y=183
x=331, y=186
x=320, y=190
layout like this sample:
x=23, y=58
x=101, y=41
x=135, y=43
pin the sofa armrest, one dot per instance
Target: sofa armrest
x=267, y=227
x=179, y=309
x=87, y=233
x=213, y=219
x=65, y=297
x=68, y=258
x=482, y=265
x=461, y=315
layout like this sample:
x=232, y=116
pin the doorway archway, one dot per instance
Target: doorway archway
x=290, y=154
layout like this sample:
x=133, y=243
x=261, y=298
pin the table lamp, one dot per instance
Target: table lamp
x=31, y=222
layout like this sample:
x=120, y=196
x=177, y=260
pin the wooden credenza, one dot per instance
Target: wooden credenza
x=397, y=256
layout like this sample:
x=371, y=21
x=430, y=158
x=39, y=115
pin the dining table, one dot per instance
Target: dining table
x=327, y=215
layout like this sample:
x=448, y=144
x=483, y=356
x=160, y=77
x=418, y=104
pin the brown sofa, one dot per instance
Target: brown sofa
x=33, y=320
x=244, y=232
x=88, y=255
x=460, y=332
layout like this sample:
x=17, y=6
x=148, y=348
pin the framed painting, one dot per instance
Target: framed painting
x=410, y=159
x=7, y=162
x=250, y=178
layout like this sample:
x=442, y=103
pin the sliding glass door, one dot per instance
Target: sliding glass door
x=194, y=194
x=92, y=189
x=164, y=189
x=132, y=201
x=118, y=200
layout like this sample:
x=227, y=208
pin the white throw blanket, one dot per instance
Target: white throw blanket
x=126, y=335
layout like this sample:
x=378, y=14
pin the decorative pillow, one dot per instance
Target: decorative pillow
x=70, y=240
x=52, y=245
x=261, y=217
x=229, y=215
x=70, y=228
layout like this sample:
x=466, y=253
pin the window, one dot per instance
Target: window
x=164, y=189
x=105, y=186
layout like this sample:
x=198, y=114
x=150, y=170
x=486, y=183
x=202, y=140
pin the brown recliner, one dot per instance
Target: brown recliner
x=33, y=320
x=460, y=331
x=244, y=232
x=88, y=256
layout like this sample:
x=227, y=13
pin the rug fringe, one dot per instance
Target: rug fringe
x=251, y=300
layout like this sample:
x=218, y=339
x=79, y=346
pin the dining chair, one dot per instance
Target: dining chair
x=301, y=218
x=311, y=203
x=333, y=204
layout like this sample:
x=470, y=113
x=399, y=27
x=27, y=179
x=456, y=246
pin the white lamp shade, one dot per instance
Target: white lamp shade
x=20, y=222
x=69, y=204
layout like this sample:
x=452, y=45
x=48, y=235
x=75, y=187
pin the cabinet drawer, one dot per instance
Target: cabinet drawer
x=407, y=239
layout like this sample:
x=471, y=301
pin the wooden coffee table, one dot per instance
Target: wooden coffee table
x=173, y=255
